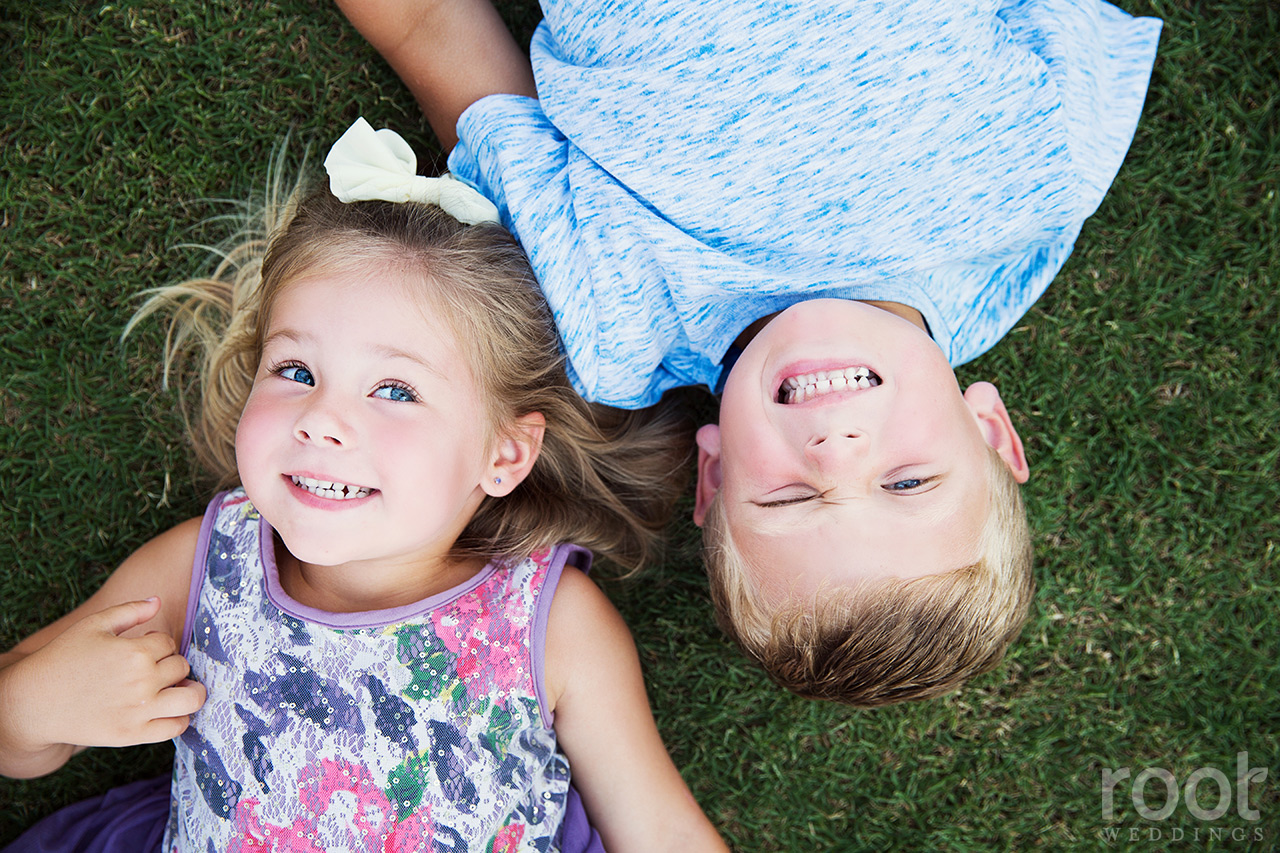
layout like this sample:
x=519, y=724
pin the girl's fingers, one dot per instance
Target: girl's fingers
x=182, y=700
x=172, y=671
x=130, y=614
x=168, y=728
x=159, y=644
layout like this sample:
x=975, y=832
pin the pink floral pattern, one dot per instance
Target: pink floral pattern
x=508, y=838
x=343, y=799
x=487, y=635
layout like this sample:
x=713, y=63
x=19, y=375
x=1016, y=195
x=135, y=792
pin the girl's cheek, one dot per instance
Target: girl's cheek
x=254, y=428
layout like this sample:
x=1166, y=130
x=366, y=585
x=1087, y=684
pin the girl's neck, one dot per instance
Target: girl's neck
x=364, y=587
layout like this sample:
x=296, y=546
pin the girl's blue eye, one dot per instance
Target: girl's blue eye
x=397, y=393
x=297, y=373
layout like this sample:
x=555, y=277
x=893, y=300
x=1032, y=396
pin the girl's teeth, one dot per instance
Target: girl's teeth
x=331, y=490
x=798, y=389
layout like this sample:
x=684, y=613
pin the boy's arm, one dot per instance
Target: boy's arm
x=108, y=673
x=632, y=791
x=450, y=53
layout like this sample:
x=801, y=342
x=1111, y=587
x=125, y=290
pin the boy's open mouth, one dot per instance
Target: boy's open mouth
x=330, y=490
x=798, y=389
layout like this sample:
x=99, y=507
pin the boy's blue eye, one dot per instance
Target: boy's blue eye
x=395, y=392
x=297, y=373
x=906, y=485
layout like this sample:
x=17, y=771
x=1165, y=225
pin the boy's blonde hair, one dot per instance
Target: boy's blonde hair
x=605, y=479
x=893, y=641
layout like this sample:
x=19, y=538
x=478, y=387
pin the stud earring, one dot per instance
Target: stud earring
x=497, y=481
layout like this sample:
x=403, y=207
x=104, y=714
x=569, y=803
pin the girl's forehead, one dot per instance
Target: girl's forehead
x=347, y=284
x=385, y=310
x=375, y=310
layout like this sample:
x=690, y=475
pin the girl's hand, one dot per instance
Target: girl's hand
x=108, y=672
x=90, y=686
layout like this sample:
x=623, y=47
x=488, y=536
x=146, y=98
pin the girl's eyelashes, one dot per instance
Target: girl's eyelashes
x=400, y=392
x=390, y=389
x=294, y=372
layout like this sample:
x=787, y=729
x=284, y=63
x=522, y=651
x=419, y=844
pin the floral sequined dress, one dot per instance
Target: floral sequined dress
x=417, y=728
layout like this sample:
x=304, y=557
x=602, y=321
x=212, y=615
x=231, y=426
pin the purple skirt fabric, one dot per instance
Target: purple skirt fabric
x=131, y=819
x=128, y=819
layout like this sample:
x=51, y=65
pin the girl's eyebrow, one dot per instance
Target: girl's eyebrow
x=287, y=334
x=395, y=352
x=383, y=350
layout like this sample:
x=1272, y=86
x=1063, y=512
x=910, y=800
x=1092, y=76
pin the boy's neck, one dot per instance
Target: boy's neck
x=906, y=312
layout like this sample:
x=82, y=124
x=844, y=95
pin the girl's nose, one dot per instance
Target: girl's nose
x=322, y=437
x=323, y=423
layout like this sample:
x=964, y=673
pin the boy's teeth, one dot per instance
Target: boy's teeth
x=797, y=389
x=331, y=490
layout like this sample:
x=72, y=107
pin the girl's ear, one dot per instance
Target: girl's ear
x=708, y=471
x=984, y=401
x=514, y=455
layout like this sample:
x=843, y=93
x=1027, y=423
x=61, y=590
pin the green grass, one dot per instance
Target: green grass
x=1145, y=384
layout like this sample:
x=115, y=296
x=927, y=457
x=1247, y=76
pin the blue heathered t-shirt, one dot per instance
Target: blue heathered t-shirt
x=689, y=167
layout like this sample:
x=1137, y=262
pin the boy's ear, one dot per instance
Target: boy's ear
x=993, y=419
x=708, y=471
x=514, y=455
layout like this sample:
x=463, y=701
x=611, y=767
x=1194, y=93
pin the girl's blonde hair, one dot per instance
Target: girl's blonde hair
x=606, y=479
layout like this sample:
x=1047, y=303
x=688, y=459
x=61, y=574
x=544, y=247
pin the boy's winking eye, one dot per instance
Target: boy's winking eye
x=789, y=501
x=908, y=487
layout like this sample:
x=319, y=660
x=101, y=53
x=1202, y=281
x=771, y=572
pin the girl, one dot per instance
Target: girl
x=364, y=643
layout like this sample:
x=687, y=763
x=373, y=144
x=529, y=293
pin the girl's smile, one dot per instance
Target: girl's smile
x=330, y=493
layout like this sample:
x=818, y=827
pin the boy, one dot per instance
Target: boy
x=863, y=529
x=856, y=198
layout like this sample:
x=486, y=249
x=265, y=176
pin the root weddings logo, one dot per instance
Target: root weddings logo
x=1207, y=794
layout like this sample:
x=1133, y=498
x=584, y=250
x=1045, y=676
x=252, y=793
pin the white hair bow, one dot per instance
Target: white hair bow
x=378, y=165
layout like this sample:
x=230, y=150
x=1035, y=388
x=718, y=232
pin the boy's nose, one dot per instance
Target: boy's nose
x=827, y=433
x=836, y=444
